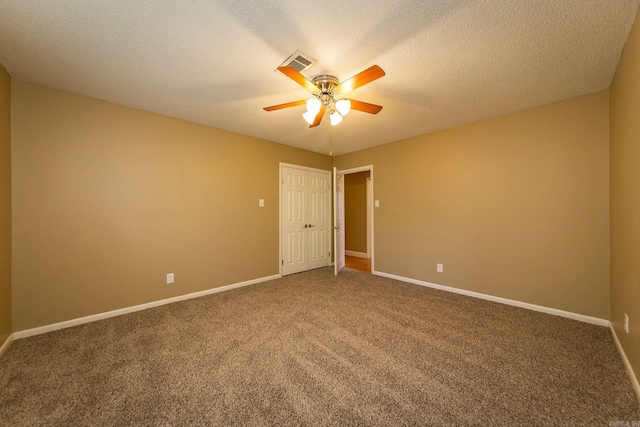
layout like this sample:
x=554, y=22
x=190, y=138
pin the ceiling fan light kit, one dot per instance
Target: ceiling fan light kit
x=343, y=106
x=309, y=116
x=313, y=105
x=324, y=89
x=335, y=118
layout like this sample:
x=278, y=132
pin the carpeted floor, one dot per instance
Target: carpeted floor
x=311, y=349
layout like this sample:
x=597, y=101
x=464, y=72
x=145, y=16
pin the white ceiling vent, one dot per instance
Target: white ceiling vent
x=299, y=61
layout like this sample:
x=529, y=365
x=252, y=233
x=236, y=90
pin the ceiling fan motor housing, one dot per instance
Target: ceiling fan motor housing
x=325, y=83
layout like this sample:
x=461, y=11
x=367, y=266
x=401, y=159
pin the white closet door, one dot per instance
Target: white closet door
x=318, y=221
x=294, y=221
x=306, y=219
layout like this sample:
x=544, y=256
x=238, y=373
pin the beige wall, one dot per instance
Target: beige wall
x=625, y=198
x=514, y=206
x=108, y=199
x=5, y=205
x=355, y=206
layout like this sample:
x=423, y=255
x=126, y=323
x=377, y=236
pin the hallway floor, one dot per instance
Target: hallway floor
x=362, y=264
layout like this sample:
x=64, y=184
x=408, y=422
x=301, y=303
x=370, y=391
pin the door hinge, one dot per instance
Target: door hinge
x=282, y=262
x=329, y=253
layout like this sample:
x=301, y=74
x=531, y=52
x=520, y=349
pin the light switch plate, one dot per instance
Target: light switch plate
x=377, y=203
x=261, y=203
x=626, y=323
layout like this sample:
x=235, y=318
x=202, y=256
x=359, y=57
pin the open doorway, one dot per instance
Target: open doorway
x=358, y=194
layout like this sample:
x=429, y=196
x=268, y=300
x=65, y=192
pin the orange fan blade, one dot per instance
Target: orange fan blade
x=367, y=76
x=318, y=118
x=287, y=105
x=294, y=75
x=365, y=106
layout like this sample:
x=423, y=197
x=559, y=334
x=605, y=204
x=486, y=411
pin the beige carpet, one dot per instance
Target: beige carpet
x=311, y=349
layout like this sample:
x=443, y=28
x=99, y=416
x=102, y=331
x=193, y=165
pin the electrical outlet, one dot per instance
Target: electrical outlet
x=626, y=323
x=440, y=268
x=170, y=278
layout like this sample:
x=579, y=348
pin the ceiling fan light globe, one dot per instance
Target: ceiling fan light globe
x=343, y=106
x=335, y=118
x=313, y=105
x=309, y=117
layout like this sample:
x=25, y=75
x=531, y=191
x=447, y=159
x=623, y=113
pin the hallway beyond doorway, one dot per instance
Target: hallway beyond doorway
x=356, y=263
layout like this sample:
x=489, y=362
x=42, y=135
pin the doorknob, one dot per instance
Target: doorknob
x=305, y=226
x=311, y=225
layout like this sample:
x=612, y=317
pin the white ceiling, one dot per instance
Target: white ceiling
x=213, y=61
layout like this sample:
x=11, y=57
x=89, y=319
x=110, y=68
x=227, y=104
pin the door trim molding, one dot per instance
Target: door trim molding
x=304, y=168
x=371, y=214
x=280, y=178
x=369, y=208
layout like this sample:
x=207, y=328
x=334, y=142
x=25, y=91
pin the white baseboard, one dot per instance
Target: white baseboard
x=580, y=317
x=534, y=307
x=356, y=254
x=6, y=344
x=627, y=364
x=74, y=322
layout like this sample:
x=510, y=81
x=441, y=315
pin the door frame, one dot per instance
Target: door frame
x=370, y=210
x=369, y=201
x=280, y=181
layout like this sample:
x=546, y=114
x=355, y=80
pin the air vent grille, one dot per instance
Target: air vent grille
x=299, y=61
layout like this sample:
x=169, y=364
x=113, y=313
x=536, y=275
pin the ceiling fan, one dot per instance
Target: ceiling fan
x=324, y=89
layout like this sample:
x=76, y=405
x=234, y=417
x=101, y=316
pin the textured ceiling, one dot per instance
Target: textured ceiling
x=212, y=62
